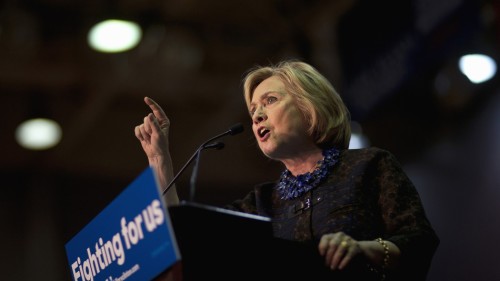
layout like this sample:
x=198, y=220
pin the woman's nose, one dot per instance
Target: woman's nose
x=259, y=116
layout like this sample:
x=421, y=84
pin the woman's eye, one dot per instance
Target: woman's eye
x=270, y=100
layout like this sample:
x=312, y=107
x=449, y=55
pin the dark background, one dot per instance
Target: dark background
x=393, y=62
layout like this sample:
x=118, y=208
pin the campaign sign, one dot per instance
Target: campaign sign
x=131, y=239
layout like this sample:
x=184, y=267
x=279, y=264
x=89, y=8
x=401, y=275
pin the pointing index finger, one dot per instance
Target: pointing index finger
x=157, y=110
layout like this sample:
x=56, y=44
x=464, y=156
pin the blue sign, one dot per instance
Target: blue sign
x=131, y=239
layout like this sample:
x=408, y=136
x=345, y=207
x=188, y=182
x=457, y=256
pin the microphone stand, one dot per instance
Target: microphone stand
x=192, y=181
x=194, y=173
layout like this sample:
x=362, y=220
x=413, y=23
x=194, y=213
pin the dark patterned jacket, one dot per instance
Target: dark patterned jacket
x=367, y=195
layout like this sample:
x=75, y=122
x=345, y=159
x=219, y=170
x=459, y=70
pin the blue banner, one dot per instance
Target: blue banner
x=131, y=239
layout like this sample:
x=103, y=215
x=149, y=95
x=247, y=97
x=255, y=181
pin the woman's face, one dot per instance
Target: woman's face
x=277, y=123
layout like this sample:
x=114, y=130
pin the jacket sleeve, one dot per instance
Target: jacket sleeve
x=406, y=223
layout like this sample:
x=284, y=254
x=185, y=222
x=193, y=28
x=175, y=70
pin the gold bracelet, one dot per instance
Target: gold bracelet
x=385, y=264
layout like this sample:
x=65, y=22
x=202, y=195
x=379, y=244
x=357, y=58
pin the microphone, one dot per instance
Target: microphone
x=233, y=130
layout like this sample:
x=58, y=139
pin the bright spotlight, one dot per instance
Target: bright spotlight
x=112, y=36
x=478, y=68
x=38, y=134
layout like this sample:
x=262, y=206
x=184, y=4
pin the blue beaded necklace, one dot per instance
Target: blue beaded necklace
x=291, y=187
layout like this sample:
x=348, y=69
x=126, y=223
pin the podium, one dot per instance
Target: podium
x=219, y=244
x=136, y=237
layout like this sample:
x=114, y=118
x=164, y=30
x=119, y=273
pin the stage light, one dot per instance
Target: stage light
x=477, y=67
x=112, y=36
x=38, y=134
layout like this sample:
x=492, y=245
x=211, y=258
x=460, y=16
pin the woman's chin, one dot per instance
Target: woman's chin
x=270, y=151
x=266, y=150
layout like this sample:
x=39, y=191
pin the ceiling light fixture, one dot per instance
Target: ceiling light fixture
x=113, y=36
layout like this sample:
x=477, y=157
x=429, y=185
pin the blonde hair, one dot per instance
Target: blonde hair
x=328, y=117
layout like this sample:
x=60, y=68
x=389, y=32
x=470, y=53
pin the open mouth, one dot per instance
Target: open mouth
x=262, y=132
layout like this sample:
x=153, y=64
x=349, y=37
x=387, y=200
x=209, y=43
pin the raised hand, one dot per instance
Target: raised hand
x=153, y=135
x=153, y=132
